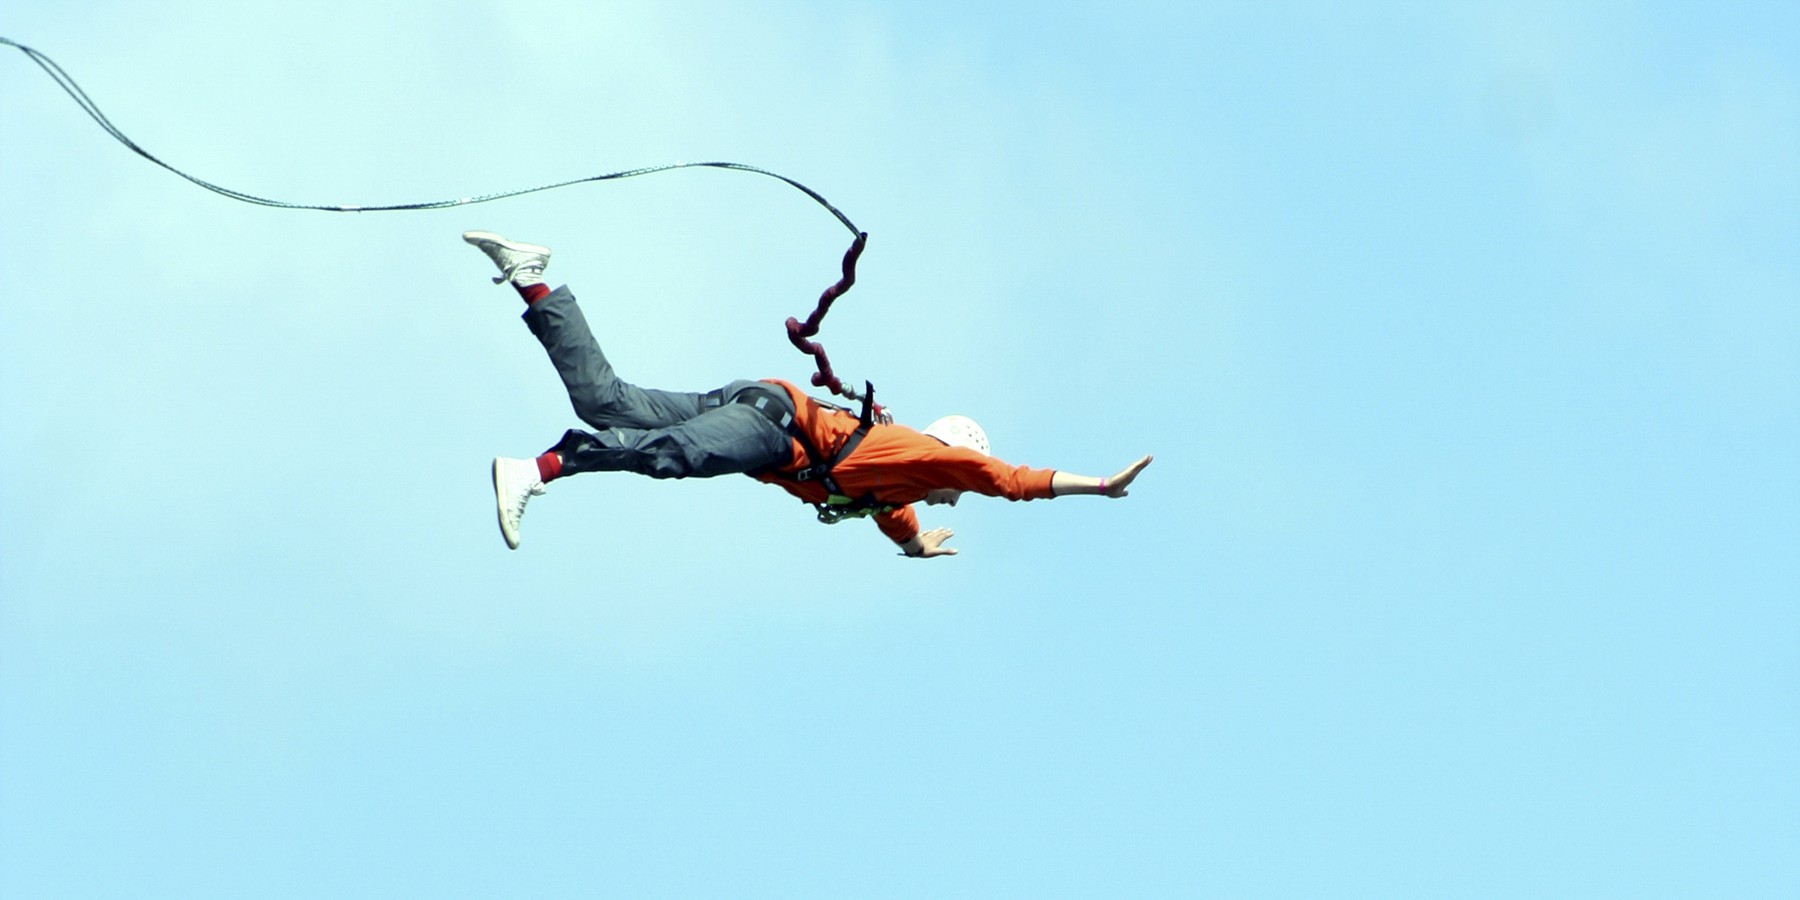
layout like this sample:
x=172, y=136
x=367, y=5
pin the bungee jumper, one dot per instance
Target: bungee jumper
x=848, y=465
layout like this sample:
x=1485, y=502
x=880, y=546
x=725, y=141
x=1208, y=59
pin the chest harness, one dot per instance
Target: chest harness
x=838, y=505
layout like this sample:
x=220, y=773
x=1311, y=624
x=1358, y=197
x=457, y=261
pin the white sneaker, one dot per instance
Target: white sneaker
x=520, y=264
x=515, y=483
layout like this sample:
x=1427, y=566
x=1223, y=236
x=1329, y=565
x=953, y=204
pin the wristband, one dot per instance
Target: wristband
x=1102, y=485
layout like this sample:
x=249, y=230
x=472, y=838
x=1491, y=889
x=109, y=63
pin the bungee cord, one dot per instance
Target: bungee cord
x=74, y=90
x=797, y=332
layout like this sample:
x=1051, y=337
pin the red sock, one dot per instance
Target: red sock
x=549, y=465
x=533, y=292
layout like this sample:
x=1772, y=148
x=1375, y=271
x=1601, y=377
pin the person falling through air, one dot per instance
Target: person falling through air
x=846, y=465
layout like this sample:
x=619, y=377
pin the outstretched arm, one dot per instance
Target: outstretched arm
x=1065, y=483
x=925, y=544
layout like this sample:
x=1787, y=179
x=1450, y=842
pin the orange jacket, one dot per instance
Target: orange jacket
x=897, y=465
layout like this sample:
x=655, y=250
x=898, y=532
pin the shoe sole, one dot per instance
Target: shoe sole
x=511, y=537
x=487, y=237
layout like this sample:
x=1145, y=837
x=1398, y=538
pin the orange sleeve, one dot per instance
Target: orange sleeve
x=1022, y=482
x=971, y=471
x=900, y=525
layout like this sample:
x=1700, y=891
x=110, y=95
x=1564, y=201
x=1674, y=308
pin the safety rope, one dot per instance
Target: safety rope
x=797, y=333
x=69, y=86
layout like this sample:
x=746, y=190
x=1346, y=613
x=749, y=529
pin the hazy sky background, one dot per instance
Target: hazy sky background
x=1466, y=337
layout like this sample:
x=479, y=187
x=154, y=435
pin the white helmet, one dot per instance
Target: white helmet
x=959, y=431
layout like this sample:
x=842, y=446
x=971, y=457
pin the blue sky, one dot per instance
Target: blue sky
x=1464, y=335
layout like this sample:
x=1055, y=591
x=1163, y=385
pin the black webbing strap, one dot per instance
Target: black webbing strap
x=776, y=408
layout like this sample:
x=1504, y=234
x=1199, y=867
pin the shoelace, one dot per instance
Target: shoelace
x=514, y=269
x=536, y=490
x=515, y=263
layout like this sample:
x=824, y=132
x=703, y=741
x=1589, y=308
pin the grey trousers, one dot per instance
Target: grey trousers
x=662, y=434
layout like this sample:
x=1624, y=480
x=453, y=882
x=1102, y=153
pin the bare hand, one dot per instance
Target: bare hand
x=1116, y=485
x=931, y=543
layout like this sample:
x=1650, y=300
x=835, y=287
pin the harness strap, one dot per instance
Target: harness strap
x=775, y=407
x=763, y=400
